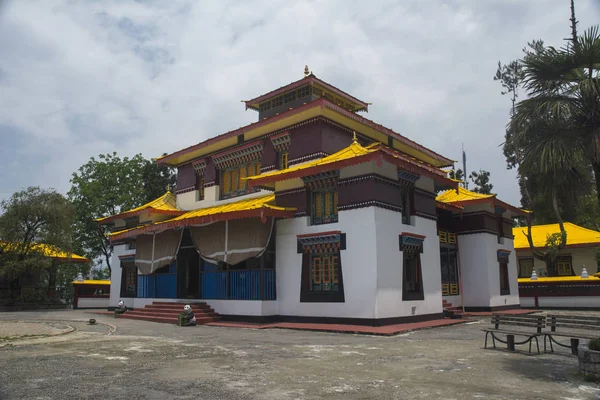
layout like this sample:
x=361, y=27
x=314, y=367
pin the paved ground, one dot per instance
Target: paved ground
x=145, y=360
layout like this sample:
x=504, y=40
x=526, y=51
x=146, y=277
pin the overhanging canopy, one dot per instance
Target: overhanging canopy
x=257, y=207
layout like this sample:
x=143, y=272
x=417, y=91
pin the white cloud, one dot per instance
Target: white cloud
x=79, y=78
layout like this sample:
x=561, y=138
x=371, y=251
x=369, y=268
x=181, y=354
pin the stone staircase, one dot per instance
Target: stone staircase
x=452, y=312
x=167, y=312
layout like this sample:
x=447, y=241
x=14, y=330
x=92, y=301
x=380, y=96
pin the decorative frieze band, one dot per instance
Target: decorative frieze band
x=281, y=142
x=230, y=158
x=291, y=191
x=199, y=166
x=407, y=178
x=376, y=177
x=185, y=190
x=426, y=216
x=321, y=242
x=308, y=157
x=370, y=203
x=503, y=255
x=322, y=180
x=411, y=242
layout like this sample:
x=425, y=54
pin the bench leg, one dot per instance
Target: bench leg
x=510, y=342
x=486, y=336
x=537, y=343
x=574, y=345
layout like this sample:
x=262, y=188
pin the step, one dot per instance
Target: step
x=173, y=309
x=171, y=313
x=179, y=303
x=168, y=320
x=177, y=307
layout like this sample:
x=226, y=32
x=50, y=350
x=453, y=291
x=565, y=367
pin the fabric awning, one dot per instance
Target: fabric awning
x=232, y=241
x=257, y=207
x=153, y=252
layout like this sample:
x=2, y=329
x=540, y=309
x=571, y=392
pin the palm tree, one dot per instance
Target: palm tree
x=563, y=110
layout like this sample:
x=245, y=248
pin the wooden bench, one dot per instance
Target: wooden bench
x=574, y=327
x=535, y=322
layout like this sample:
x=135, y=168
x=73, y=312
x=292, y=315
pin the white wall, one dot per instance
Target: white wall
x=389, y=266
x=92, y=303
x=358, y=266
x=243, y=307
x=189, y=200
x=579, y=257
x=480, y=271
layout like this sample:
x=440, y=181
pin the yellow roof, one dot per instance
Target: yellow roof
x=450, y=196
x=559, y=279
x=352, y=151
x=242, y=205
x=576, y=235
x=209, y=214
x=53, y=252
x=167, y=203
x=92, y=282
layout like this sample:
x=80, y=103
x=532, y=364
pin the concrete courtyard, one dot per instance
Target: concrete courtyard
x=56, y=355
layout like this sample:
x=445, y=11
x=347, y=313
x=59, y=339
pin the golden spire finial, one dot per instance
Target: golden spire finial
x=306, y=71
x=354, y=136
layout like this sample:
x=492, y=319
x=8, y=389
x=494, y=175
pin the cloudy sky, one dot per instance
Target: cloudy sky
x=80, y=78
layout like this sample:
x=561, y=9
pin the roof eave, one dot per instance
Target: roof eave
x=260, y=212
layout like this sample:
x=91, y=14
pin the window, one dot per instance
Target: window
x=128, y=279
x=324, y=273
x=503, y=258
x=233, y=183
x=449, y=266
x=200, y=186
x=322, y=279
x=283, y=160
x=412, y=287
x=324, y=206
x=504, y=281
x=563, y=266
x=411, y=246
x=405, y=206
x=525, y=267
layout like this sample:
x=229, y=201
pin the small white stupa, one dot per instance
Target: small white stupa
x=584, y=274
x=534, y=276
x=80, y=277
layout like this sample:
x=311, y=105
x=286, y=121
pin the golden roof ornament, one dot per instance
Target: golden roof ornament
x=354, y=136
x=306, y=71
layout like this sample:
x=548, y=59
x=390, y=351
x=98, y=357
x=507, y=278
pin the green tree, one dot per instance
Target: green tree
x=31, y=217
x=458, y=175
x=156, y=179
x=107, y=186
x=481, y=179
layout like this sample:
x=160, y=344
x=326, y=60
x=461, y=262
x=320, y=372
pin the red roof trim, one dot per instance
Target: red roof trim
x=311, y=79
x=389, y=132
x=448, y=206
x=159, y=227
x=398, y=161
x=241, y=130
x=322, y=102
x=124, y=256
x=129, y=214
x=234, y=149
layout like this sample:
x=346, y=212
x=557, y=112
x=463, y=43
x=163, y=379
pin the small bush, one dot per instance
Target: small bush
x=594, y=344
